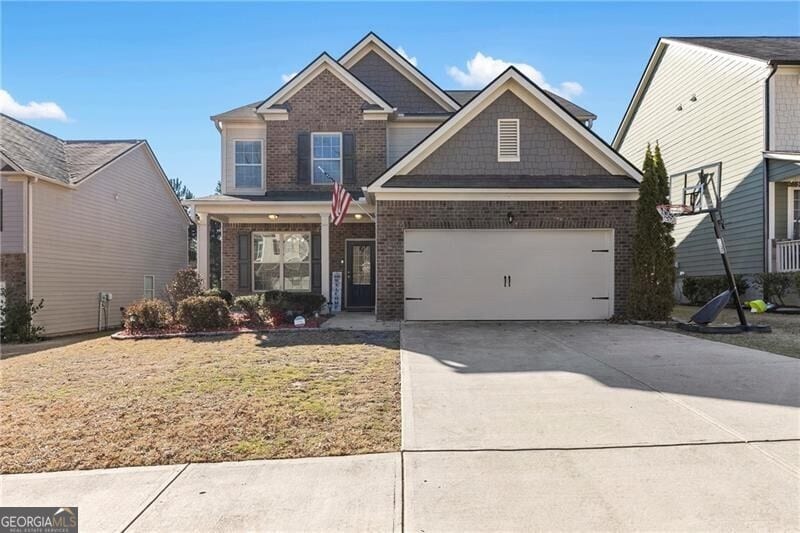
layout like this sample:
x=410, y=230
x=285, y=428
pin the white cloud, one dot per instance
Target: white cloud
x=31, y=110
x=287, y=77
x=412, y=60
x=482, y=69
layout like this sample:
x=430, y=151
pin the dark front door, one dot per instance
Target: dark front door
x=360, y=274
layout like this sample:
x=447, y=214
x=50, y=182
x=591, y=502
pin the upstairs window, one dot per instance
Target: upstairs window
x=326, y=152
x=248, y=164
x=508, y=140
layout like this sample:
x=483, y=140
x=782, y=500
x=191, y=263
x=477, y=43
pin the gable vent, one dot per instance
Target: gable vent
x=508, y=139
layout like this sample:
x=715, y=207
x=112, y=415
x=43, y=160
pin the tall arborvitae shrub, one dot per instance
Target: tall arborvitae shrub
x=653, y=276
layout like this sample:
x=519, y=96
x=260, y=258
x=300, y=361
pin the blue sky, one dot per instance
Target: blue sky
x=159, y=70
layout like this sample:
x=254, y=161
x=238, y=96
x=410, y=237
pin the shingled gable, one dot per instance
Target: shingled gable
x=372, y=44
x=322, y=63
x=551, y=111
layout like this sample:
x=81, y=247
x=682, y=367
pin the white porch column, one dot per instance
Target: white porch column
x=325, y=259
x=202, y=248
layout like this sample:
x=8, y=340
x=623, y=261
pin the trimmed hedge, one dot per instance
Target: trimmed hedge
x=249, y=305
x=305, y=303
x=700, y=289
x=220, y=293
x=147, y=315
x=203, y=313
x=775, y=285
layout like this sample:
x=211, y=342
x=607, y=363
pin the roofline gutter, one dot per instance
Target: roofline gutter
x=765, y=170
x=36, y=177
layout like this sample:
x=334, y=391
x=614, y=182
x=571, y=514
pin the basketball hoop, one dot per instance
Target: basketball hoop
x=669, y=212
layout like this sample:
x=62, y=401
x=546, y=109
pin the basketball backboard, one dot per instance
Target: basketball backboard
x=698, y=188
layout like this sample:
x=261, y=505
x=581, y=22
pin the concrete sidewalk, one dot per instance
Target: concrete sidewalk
x=359, y=492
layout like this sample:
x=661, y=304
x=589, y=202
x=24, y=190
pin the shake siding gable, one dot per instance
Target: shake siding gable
x=725, y=123
x=544, y=150
x=105, y=235
x=393, y=86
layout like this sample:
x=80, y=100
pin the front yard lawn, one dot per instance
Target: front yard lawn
x=106, y=403
x=784, y=339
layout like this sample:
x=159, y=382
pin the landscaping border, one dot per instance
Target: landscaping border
x=124, y=336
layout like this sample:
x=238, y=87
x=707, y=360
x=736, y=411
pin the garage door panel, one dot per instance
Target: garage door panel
x=553, y=274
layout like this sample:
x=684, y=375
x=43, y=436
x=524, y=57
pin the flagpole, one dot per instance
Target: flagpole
x=357, y=202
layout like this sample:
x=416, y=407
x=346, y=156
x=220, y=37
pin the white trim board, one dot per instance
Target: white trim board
x=322, y=63
x=514, y=81
x=508, y=195
x=373, y=43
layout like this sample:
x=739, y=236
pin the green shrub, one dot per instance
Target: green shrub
x=221, y=293
x=250, y=306
x=185, y=284
x=16, y=324
x=774, y=285
x=147, y=315
x=275, y=315
x=700, y=289
x=198, y=313
x=305, y=303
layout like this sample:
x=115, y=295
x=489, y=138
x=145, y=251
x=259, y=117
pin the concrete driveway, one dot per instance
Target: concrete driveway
x=595, y=426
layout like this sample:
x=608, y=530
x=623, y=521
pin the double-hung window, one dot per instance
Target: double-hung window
x=149, y=287
x=247, y=172
x=281, y=261
x=326, y=152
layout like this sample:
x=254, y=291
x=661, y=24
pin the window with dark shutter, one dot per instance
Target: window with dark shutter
x=244, y=261
x=303, y=158
x=349, y=158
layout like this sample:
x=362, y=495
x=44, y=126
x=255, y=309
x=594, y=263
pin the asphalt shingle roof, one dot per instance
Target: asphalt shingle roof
x=773, y=49
x=41, y=153
x=464, y=96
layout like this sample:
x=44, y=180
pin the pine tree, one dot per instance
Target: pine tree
x=653, y=276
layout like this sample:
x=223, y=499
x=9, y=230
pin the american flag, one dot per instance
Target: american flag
x=339, y=204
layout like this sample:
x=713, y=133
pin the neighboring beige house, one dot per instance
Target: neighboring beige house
x=734, y=101
x=490, y=204
x=81, y=218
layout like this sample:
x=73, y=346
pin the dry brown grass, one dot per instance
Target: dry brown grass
x=784, y=339
x=105, y=403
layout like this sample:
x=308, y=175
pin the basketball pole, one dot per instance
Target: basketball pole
x=719, y=228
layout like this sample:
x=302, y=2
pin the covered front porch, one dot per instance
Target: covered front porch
x=267, y=245
x=784, y=214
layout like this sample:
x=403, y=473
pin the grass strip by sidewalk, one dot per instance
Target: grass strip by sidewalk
x=104, y=403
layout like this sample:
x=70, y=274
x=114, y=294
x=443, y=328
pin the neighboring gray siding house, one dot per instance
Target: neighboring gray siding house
x=490, y=204
x=734, y=101
x=85, y=217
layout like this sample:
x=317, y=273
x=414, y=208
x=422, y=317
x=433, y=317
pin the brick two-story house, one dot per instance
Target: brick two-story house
x=492, y=204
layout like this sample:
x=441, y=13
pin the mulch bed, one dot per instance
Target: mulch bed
x=177, y=331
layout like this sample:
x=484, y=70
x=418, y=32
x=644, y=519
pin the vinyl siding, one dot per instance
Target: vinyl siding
x=87, y=240
x=787, y=110
x=725, y=124
x=781, y=211
x=12, y=238
x=784, y=170
x=229, y=135
x=402, y=138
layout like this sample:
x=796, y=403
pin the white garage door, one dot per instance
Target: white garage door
x=509, y=274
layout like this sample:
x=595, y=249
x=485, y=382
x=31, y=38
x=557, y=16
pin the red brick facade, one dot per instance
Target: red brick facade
x=12, y=269
x=396, y=216
x=325, y=104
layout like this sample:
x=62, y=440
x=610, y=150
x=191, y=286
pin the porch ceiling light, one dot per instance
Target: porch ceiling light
x=272, y=217
x=358, y=216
